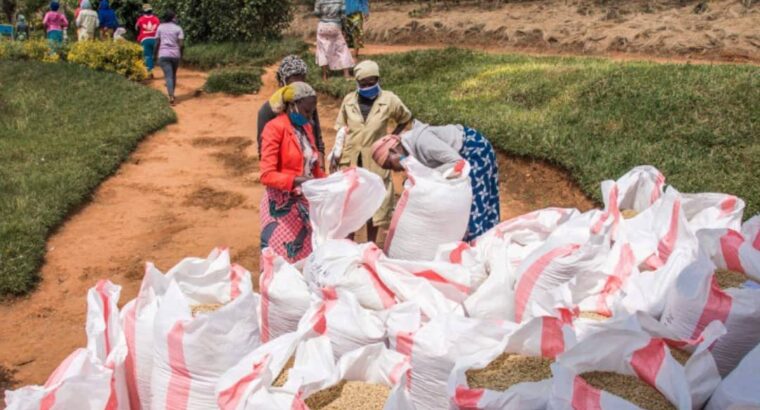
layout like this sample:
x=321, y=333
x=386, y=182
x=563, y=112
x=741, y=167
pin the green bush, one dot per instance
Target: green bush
x=233, y=20
x=255, y=53
x=235, y=81
x=122, y=57
x=38, y=50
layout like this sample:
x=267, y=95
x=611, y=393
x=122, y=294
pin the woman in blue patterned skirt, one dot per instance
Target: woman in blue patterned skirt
x=441, y=148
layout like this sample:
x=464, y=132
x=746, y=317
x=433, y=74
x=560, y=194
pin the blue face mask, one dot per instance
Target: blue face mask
x=298, y=119
x=370, y=92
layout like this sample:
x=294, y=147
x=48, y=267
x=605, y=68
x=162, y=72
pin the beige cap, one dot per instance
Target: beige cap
x=366, y=69
x=147, y=7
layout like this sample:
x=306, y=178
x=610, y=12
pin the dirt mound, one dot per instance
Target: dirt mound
x=721, y=29
x=210, y=198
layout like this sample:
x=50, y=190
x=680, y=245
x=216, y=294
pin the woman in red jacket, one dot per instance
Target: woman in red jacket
x=289, y=157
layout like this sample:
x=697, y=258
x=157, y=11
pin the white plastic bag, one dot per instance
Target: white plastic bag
x=541, y=336
x=638, y=189
x=713, y=211
x=342, y=203
x=435, y=347
x=569, y=251
x=433, y=210
x=338, y=315
x=205, y=280
x=739, y=389
x=284, y=296
x=345, y=265
x=79, y=382
x=191, y=353
x=696, y=300
x=622, y=351
x=92, y=378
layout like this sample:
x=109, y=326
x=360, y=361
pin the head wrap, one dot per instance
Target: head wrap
x=381, y=149
x=21, y=18
x=147, y=7
x=366, y=69
x=290, y=66
x=85, y=5
x=54, y=6
x=290, y=93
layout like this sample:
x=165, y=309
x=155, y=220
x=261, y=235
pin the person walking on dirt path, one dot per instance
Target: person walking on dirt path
x=55, y=24
x=146, y=27
x=168, y=51
x=332, y=51
x=356, y=12
x=442, y=148
x=367, y=113
x=108, y=21
x=288, y=159
x=87, y=21
x=292, y=69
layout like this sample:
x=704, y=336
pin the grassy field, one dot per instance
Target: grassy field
x=699, y=124
x=63, y=129
x=234, y=65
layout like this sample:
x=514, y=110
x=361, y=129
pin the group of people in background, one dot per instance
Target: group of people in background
x=340, y=29
x=292, y=152
x=89, y=23
x=161, y=40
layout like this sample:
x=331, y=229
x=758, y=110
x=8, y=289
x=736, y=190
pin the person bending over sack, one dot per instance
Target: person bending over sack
x=289, y=157
x=441, y=148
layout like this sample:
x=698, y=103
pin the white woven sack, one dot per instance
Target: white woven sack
x=433, y=210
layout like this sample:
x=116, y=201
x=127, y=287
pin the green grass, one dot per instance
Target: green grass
x=234, y=65
x=699, y=124
x=63, y=129
x=234, y=80
x=261, y=53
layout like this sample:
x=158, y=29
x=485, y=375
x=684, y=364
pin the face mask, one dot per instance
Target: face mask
x=370, y=92
x=298, y=119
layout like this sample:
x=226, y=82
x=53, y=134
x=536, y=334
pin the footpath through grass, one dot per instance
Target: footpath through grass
x=63, y=129
x=236, y=68
x=699, y=124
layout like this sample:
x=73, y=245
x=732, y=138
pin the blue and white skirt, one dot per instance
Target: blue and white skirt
x=484, y=176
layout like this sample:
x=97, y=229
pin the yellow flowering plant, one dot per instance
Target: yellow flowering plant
x=119, y=57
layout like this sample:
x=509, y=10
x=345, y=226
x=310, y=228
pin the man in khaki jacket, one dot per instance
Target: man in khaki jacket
x=368, y=113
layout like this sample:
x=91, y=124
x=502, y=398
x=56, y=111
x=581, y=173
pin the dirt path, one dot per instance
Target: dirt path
x=185, y=190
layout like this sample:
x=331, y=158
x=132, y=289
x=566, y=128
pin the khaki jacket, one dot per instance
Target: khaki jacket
x=387, y=111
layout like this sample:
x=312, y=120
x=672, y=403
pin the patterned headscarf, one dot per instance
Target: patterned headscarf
x=381, y=149
x=290, y=93
x=290, y=66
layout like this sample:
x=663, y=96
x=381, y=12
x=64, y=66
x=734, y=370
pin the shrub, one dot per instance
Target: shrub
x=38, y=50
x=253, y=53
x=233, y=20
x=235, y=81
x=120, y=57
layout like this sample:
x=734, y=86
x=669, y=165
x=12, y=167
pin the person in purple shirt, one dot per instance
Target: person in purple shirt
x=169, y=46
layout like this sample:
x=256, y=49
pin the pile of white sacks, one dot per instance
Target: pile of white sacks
x=351, y=312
